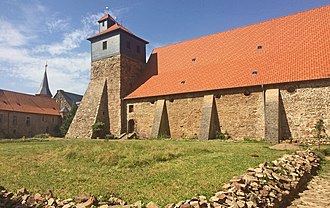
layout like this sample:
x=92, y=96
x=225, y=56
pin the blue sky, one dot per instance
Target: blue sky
x=35, y=31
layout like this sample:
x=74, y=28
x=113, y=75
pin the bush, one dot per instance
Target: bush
x=98, y=126
x=68, y=120
x=222, y=136
x=42, y=136
x=327, y=152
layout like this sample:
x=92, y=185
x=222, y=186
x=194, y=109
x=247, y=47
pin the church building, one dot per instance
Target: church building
x=28, y=115
x=269, y=80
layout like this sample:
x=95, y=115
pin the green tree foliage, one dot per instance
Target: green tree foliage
x=67, y=122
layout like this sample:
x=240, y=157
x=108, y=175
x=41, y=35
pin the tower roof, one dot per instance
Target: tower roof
x=44, y=87
x=115, y=26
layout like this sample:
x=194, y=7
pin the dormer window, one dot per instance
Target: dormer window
x=105, y=45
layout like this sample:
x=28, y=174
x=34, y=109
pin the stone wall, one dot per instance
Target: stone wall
x=245, y=112
x=16, y=124
x=142, y=114
x=242, y=116
x=302, y=108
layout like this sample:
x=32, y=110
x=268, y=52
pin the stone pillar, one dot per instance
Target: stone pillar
x=209, y=121
x=160, y=125
x=272, y=106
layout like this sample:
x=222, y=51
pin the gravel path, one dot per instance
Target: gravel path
x=317, y=193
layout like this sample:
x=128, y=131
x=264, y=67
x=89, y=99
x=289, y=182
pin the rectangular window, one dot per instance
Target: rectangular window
x=103, y=24
x=28, y=121
x=128, y=44
x=105, y=45
x=130, y=108
x=138, y=49
x=1, y=118
x=14, y=120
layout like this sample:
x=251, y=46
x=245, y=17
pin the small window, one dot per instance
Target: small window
x=1, y=118
x=130, y=108
x=247, y=93
x=105, y=45
x=14, y=120
x=28, y=121
x=14, y=131
x=291, y=89
x=128, y=44
x=152, y=102
x=254, y=73
x=138, y=50
x=43, y=118
x=193, y=59
x=218, y=96
x=259, y=47
x=171, y=100
x=103, y=24
x=53, y=119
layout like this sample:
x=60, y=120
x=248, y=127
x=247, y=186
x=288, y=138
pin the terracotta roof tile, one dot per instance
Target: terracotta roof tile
x=115, y=27
x=19, y=102
x=107, y=16
x=293, y=48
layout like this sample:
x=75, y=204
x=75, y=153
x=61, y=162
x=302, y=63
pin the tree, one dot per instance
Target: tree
x=67, y=121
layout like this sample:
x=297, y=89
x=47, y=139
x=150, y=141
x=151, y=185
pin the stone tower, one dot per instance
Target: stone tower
x=118, y=59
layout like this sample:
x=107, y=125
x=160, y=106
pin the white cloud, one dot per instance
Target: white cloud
x=23, y=56
x=10, y=35
x=57, y=25
x=73, y=39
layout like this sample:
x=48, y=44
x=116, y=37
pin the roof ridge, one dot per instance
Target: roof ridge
x=242, y=27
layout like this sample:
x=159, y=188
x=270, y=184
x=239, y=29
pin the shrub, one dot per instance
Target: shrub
x=222, y=136
x=98, y=126
x=327, y=152
x=42, y=136
x=67, y=122
x=320, y=131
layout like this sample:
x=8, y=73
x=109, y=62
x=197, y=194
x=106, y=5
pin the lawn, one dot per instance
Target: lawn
x=156, y=170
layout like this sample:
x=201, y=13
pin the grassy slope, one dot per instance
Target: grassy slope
x=162, y=171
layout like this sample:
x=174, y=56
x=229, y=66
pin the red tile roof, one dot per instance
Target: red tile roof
x=19, y=102
x=293, y=48
x=114, y=27
x=107, y=16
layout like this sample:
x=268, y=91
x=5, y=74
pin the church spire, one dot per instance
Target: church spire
x=44, y=87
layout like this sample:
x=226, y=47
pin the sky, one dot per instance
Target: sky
x=33, y=32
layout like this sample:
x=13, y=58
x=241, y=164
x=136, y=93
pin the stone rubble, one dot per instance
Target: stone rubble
x=271, y=184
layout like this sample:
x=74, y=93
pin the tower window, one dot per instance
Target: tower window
x=128, y=44
x=28, y=121
x=130, y=108
x=103, y=24
x=138, y=49
x=105, y=45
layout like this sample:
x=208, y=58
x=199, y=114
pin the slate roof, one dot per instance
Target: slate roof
x=71, y=98
x=44, y=87
x=19, y=102
x=286, y=49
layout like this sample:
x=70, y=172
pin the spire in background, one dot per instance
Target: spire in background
x=44, y=87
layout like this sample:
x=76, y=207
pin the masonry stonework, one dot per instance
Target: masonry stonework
x=302, y=108
x=17, y=124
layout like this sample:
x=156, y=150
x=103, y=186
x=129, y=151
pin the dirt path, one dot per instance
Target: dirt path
x=317, y=193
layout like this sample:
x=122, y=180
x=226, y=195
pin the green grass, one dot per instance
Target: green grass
x=157, y=170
